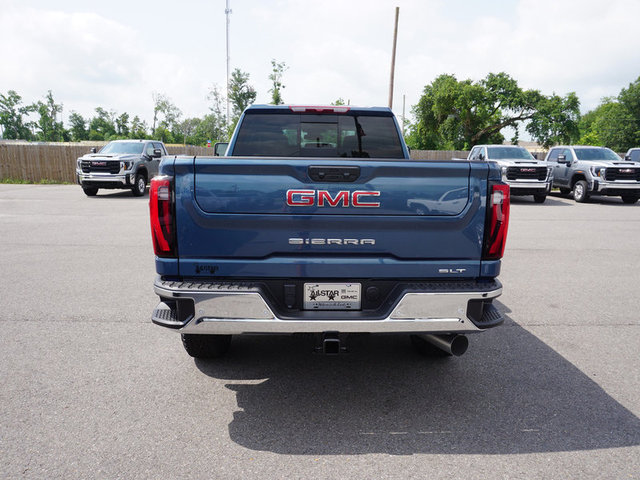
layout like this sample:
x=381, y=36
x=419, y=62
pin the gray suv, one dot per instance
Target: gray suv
x=123, y=164
x=594, y=171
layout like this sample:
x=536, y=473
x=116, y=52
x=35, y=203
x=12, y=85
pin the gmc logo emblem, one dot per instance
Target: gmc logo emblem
x=322, y=198
x=99, y=164
x=527, y=170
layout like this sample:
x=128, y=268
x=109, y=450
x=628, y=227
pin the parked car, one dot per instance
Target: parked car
x=594, y=171
x=633, y=155
x=524, y=174
x=123, y=164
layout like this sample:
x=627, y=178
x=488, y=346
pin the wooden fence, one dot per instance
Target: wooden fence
x=56, y=162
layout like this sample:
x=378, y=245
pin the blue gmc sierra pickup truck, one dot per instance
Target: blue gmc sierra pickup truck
x=317, y=221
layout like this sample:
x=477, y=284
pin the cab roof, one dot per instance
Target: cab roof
x=320, y=109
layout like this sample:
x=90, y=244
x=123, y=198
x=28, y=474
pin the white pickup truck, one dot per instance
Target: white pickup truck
x=524, y=174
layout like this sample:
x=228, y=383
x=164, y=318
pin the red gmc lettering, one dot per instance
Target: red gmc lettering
x=302, y=198
x=355, y=199
x=341, y=196
x=344, y=198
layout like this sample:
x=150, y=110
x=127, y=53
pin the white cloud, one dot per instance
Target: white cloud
x=117, y=55
x=88, y=61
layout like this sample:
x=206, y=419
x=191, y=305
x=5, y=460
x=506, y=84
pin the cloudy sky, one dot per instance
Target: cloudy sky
x=116, y=54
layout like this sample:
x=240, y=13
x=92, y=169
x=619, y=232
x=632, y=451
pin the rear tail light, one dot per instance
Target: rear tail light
x=162, y=220
x=495, y=236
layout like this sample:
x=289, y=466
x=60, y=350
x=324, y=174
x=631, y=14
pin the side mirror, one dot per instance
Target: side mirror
x=481, y=157
x=562, y=159
x=220, y=148
x=627, y=158
x=94, y=150
x=157, y=153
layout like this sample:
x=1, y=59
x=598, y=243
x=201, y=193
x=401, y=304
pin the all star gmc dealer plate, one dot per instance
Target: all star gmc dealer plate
x=332, y=296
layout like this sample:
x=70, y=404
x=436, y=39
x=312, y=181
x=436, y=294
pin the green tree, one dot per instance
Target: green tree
x=102, y=126
x=214, y=125
x=241, y=94
x=630, y=98
x=615, y=123
x=166, y=118
x=78, y=129
x=164, y=134
x=275, y=76
x=610, y=124
x=12, y=114
x=138, y=128
x=48, y=126
x=122, y=125
x=454, y=114
x=555, y=120
x=188, y=128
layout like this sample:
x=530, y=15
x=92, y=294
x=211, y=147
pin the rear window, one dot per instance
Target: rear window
x=298, y=135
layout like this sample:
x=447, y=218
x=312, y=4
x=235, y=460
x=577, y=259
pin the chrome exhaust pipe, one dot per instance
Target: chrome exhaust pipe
x=452, y=344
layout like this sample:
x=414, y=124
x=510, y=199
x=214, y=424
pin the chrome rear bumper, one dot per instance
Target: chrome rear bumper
x=225, y=308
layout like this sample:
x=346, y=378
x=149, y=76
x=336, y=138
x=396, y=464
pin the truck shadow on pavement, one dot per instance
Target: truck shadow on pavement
x=510, y=393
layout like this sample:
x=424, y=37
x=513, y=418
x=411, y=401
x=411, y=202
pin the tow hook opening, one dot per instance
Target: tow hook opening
x=330, y=343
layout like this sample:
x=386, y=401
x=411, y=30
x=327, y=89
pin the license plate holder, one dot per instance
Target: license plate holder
x=332, y=296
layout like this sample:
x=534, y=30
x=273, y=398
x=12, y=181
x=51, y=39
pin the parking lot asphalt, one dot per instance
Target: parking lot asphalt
x=91, y=389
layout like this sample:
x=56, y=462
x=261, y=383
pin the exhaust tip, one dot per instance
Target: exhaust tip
x=459, y=345
x=431, y=344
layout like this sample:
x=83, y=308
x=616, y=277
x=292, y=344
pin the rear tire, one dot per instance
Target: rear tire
x=140, y=186
x=90, y=191
x=629, y=199
x=426, y=349
x=206, y=346
x=580, y=192
x=540, y=198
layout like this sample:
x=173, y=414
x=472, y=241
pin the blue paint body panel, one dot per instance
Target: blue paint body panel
x=408, y=244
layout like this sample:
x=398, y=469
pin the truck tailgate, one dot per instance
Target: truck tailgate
x=329, y=218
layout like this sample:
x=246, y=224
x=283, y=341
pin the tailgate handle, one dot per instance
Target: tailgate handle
x=333, y=173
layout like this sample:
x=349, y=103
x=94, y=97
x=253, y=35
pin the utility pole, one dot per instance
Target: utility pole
x=404, y=99
x=227, y=12
x=393, y=58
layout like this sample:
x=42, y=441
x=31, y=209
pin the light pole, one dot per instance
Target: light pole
x=393, y=58
x=227, y=12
